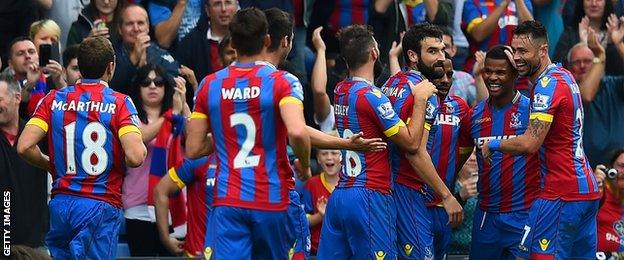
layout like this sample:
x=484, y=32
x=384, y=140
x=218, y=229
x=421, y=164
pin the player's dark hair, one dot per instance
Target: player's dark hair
x=498, y=53
x=534, y=29
x=280, y=25
x=248, y=28
x=355, y=42
x=70, y=53
x=94, y=55
x=135, y=93
x=417, y=33
x=13, y=42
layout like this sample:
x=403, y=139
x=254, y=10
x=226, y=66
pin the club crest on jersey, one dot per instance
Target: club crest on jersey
x=544, y=244
x=448, y=109
x=544, y=81
x=618, y=226
x=380, y=255
x=408, y=249
x=385, y=110
x=515, y=121
x=540, y=102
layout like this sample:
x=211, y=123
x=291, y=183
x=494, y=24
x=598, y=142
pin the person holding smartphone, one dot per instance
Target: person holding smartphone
x=610, y=216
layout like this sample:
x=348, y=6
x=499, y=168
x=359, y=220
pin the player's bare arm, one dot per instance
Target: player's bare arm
x=27, y=147
x=166, y=186
x=421, y=162
x=298, y=135
x=198, y=142
x=355, y=143
x=529, y=142
x=409, y=138
x=134, y=148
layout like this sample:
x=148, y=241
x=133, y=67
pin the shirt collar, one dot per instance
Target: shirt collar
x=212, y=37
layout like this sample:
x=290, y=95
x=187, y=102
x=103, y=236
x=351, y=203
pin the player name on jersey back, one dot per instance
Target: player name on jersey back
x=84, y=106
x=240, y=93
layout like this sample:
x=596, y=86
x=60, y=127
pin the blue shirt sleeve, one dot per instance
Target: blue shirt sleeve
x=158, y=13
x=384, y=112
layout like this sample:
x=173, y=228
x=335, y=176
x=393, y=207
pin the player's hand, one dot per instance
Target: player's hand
x=317, y=41
x=600, y=176
x=454, y=211
x=302, y=173
x=179, y=95
x=174, y=246
x=423, y=90
x=468, y=188
x=358, y=143
x=485, y=151
x=321, y=205
x=479, y=63
x=397, y=48
x=189, y=75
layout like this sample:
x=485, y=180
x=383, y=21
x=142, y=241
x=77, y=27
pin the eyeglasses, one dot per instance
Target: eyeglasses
x=582, y=61
x=158, y=82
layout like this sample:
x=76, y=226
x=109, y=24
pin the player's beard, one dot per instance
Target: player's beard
x=436, y=70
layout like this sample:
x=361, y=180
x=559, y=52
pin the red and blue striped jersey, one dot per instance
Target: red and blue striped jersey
x=348, y=12
x=610, y=223
x=564, y=168
x=241, y=103
x=400, y=95
x=444, y=144
x=83, y=125
x=476, y=11
x=359, y=106
x=507, y=183
x=199, y=177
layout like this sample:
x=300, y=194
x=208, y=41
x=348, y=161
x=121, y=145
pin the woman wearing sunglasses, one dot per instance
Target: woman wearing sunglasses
x=161, y=109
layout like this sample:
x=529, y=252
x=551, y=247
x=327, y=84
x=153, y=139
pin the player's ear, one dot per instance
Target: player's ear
x=413, y=57
x=110, y=70
x=266, y=41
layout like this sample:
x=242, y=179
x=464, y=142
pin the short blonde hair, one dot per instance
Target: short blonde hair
x=45, y=25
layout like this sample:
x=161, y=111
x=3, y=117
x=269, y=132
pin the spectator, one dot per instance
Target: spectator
x=70, y=65
x=486, y=27
x=391, y=17
x=459, y=38
x=23, y=66
x=227, y=54
x=463, y=84
x=548, y=12
x=156, y=96
x=99, y=18
x=48, y=32
x=603, y=98
x=136, y=49
x=591, y=14
x=200, y=49
x=611, y=212
x=318, y=189
x=323, y=109
x=174, y=19
x=26, y=185
x=66, y=12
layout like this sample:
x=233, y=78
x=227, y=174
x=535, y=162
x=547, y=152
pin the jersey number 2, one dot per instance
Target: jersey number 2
x=91, y=148
x=243, y=159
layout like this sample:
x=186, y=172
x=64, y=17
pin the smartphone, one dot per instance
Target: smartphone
x=45, y=53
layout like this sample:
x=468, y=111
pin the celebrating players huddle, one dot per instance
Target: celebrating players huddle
x=537, y=198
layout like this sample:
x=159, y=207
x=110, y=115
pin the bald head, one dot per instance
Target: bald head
x=133, y=22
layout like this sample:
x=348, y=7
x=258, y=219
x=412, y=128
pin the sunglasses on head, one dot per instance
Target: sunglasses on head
x=158, y=81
